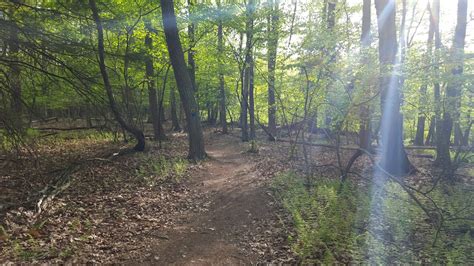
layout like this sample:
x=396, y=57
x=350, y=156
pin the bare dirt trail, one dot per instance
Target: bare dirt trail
x=237, y=203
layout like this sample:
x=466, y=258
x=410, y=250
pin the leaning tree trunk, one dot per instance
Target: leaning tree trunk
x=394, y=158
x=222, y=100
x=158, y=131
x=451, y=108
x=183, y=80
x=138, y=134
x=273, y=22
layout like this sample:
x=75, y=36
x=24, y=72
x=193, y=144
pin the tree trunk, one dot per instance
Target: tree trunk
x=420, y=127
x=250, y=8
x=138, y=134
x=174, y=114
x=453, y=89
x=251, y=97
x=14, y=78
x=222, y=100
x=431, y=132
x=191, y=36
x=183, y=80
x=394, y=158
x=273, y=28
x=365, y=41
x=158, y=131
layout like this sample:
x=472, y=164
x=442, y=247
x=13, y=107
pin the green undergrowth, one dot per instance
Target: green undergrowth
x=155, y=169
x=334, y=225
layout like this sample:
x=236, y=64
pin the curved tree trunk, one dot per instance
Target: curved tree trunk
x=138, y=134
x=183, y=80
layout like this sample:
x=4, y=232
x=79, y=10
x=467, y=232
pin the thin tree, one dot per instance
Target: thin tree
x=222, y=96
x=138, y=134
x=158, y=131
x=192, y=40
x=183, y=81
x=174, y=113
x=272, y=44
x=420, y=126
x=247, y=84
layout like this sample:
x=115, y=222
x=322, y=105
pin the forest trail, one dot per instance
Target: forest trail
x=236, y=201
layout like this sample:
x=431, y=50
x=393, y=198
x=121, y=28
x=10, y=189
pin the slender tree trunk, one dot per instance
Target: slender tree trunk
x=365, y=41
x=251, y=97
x=191, y=51
x=158, y=131
x=174, y=113
x=451, y=108
x=14, y=78
x=250, y=8
x=183, y=80
x=431, y=132
x=273, y=28
x=222, y=97
x=138, y=134
x=420, y=128
x=394, y=157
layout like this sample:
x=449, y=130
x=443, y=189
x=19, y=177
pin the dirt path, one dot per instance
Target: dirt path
x=237, y=202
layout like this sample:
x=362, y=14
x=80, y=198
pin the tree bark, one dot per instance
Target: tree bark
x=250, y=8
x=365, y=41
x=453, y=89
x=158, y=131
x=138, y=134
x=14, y=77
x=420, y=127
x=273, y=22
x=191, y=36
x=183, y=80
x=222, y=96
x=394, y=158
x=174, y=114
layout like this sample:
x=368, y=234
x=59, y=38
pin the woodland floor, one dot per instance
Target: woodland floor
x=221, y=211
x=155, y=207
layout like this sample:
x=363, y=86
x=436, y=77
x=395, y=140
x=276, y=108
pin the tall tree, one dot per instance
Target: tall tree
x=174, y=112
x=138, y=134
x=14, y=74
x=272, y=45
x=222, y=96
x=394, y=158
x=183, y=80
x=192, y=40
x=453, y=89
x=420, y=127
x=365, y=40
x=247, y=85
x=158, y=131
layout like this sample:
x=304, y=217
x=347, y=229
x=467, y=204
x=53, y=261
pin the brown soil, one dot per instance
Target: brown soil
x=239, y=206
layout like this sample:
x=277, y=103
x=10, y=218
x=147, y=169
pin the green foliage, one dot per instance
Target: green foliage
x=159, y=168
x=335, y=227
x=323, y=218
